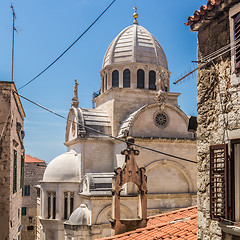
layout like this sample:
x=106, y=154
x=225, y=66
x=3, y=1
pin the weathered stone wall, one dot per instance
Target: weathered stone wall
x=33, y=173
x=215, y=107
x=10, y=203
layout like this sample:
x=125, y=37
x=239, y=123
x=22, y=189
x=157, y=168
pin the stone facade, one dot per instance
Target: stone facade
x=218, y=103
x=33, y=172
x=11, y=161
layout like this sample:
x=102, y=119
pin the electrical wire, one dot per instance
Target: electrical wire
x=208, y=60
x=99, y=132
x=44, y=70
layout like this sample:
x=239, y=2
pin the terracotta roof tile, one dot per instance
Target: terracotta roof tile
x=179, y=224
x=204, y=9
x=29, y=158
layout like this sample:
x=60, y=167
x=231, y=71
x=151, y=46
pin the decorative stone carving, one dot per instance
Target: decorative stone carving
x=161, y=99
x=75, y=101
x=130, y=172
x=163, y=78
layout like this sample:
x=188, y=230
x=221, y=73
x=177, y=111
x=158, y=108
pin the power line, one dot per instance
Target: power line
x=68, y=47
x=99, y=132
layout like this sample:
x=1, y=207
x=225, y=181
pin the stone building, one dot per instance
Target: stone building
x=76, y=191
x=33, y=172
x=11, y=161
x=218, y=85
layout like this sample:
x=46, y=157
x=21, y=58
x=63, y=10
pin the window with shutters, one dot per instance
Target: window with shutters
x=24, y=211
x=27, y=190
x=218, y=181
x=225, y=181
x=115, y=78
x=236, y=19
x=15, y=172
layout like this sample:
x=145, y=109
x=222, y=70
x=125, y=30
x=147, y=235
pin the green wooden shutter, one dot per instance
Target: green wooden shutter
x=15, y=172
x=22, y=171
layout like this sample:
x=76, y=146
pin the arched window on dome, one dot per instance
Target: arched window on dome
x=152, y=80
x=106, y=83
x=103, y=84
x=115, y=78
x=140, y=78
x=126, y=78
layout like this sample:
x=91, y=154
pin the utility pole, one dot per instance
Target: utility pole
x=13, y=31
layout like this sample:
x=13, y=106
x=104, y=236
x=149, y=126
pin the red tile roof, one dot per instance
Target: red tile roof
x=29, y=158
x=209, y=7
x=180, y=224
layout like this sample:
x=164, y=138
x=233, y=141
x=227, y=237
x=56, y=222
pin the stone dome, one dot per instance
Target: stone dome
x=135, y=44
x=80, y=216
x=64, y=168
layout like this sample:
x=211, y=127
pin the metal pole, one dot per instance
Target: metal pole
x=14, y=17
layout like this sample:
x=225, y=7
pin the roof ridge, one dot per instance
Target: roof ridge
x=172, y=212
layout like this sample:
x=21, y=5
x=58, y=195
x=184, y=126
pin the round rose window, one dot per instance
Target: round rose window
x=160, y=119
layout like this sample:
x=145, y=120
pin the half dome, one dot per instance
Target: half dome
x=80, y=216
x=64, y=168
x=135, y=44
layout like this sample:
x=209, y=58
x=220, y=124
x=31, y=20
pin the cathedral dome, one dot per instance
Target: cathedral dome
x=80, y=216
x=135, y=44
x=64, y=168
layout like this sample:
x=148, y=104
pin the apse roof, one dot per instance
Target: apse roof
x=180, y=224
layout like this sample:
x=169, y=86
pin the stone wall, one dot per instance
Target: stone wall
x=11, y=112
x=33, y=173
x=216, y=114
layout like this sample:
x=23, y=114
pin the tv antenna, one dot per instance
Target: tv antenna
x=13, y=31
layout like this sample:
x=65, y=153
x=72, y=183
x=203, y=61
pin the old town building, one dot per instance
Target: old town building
x=11, y=161
x=33, y=172
x=218, y=85
x=76, y=190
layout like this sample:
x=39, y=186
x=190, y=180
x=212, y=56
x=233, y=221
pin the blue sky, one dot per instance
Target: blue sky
x=46, y=28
